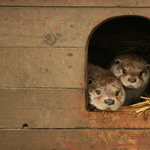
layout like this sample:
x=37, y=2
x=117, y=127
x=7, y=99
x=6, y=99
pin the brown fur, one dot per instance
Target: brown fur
x=127, y=68
x=108, y=85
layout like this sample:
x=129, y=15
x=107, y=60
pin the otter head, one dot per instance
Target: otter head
x=106, y=94
x=132, y=70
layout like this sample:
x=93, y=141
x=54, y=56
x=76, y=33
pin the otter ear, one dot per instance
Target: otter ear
x=117, y=61
x=148, y=66
x=90, y=80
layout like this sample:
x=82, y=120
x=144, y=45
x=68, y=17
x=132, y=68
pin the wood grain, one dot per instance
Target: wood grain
x=43, y=56
x=75, y=139
x=59, y=108
x=114, y=3
x=122, y=118
x=28, y=26
x=42, y=108
x=42, y=67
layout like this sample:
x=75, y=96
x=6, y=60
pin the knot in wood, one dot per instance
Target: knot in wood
x=50, y=39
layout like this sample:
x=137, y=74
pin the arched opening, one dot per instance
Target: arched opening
x=118, y=35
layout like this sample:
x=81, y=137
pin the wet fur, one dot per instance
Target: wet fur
x=133, y=65
x=104, y=81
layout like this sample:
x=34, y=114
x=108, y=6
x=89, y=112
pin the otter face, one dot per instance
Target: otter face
x=132, y=72
x=107, y=95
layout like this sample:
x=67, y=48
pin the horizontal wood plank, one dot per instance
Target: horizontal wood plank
x=55, y=26
x=60, y=108
x=42, y=108
x=114, y=3
x=42, y=67
x=122, y=118
x=75, y=139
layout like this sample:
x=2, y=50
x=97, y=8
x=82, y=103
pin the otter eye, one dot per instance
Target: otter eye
x=124, y=71
x=117, y=93
x=98, y=92
x=140, y=74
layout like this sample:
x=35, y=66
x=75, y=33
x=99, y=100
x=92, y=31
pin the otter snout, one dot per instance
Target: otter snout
x=109, y=102
x=132, y=80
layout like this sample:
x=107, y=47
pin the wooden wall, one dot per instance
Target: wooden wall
x=43, y=61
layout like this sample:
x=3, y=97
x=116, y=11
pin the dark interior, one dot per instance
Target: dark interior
x=117, y=35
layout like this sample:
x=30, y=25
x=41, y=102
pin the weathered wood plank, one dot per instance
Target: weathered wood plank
x=42, y=108
x=75, y=139
x=122, y=118
x=42, y=67
x=59, y=108
x=28, y=26
x=114, y=3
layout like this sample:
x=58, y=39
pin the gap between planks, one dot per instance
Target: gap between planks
x=117, y=6
x=40, y=88
x=74, y=129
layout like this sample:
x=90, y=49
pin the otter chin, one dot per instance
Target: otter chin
x=131, y=87
x=105, y=91
x=134, y=72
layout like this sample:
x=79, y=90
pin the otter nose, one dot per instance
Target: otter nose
x=109, y=101
x=132, y=80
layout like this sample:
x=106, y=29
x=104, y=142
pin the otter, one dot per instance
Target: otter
x=104, y=89
x=133, y=72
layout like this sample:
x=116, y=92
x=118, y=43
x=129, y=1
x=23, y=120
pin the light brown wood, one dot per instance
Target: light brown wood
x=119, y=119
x=75, y=139
x=67, y=27
x=110, y=3
x=122, y=118
x=43, y=56
x=42, y=108
x=42, y=67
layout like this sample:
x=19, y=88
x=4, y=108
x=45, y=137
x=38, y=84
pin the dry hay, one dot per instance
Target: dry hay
x=140, y=107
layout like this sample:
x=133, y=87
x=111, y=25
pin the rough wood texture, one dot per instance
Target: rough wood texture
x=28, y=26
x=75, y=139
x=116, y=3
x=58, y=108
x=119, y=119
x=42, y=67
x=42, y=108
